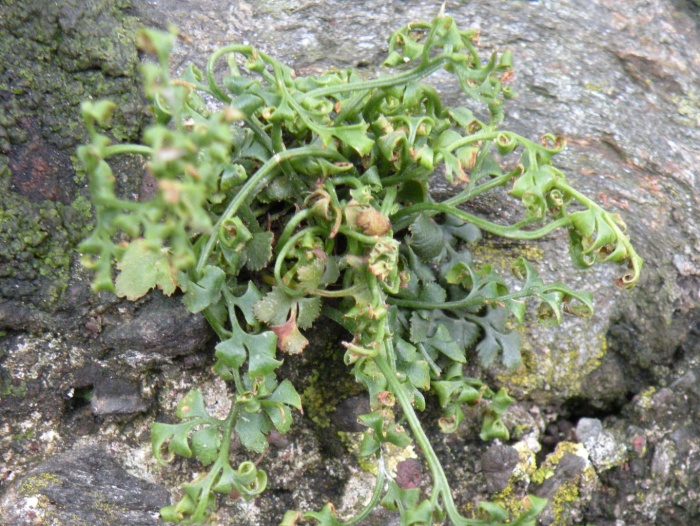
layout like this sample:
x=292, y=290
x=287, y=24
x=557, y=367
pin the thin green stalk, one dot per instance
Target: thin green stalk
x=376, y=495
x=221, y=459
x=245, y=192
x=291, y=225
x=342, y=293
x=441, y=487
x=473, y=191
x=384, y=82
x=283, y=254
x=476, y=301
x=363, y=238
x=403, y=218
x=135, y=149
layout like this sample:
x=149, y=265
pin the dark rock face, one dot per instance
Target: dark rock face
x=618, y=79
x=161, y=330
x=116, y=396
x=83, y=486
x=497, y=464
x=345, y=416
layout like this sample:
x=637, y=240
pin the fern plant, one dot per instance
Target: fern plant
x=282, y=200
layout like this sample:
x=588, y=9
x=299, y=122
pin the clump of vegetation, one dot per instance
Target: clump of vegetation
x=292, y=199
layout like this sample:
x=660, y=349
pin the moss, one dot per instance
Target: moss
x=38, y=239
x=54, y=55
x=327, y=385
x=315, y=405
x=9, y=389
x=29, y=434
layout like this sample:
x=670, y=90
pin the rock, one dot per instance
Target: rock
x=116, y=396
x=107, y=393
x=160, y=330
x=345, y=416
x=497, y=464
x=83, y=486
x=658, y=483
x=54, y=56
x=603, y=448
x=567, y=479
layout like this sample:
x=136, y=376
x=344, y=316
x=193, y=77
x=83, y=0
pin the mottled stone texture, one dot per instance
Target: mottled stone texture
x=83, y=486
x=618, y=79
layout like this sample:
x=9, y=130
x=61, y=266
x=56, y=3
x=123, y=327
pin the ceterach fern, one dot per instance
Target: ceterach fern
x=292, y=199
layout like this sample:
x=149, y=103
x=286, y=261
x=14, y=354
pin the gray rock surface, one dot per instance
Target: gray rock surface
x=621, y=80
x=497, y=464
x=82, y=486
x=160, y=330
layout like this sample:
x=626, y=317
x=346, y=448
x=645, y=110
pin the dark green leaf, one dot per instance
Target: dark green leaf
x=207, y=290
x=273, y=308
x=258, y=250
x=251, y=429
x=280, y=416
x=286, y=394
x=247, y=301
x=231, y=353
x=420, y=327
x=497, y=338
x=261, y=359
x=443, y=342
x=426, y=239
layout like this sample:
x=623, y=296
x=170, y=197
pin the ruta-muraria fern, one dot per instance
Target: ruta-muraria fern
x=289, y=199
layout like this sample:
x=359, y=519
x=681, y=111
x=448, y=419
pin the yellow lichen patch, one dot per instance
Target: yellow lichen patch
x=501, y=258
x=556, y=369
x=33, y=484
x=512, y=497
x=567, y=494
x=643, y=400
x=548, y=467
x=526, y=462
x=391, y=455
x=572, y=490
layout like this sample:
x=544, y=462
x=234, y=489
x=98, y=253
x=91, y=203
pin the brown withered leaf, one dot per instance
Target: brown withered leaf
x=289, y=339
x=373, y=222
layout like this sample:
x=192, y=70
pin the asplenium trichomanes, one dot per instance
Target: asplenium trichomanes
x=296, y=198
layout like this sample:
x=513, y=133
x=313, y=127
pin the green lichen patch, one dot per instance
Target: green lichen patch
x=326, y=386
x=54, y=55
x=37, y=241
